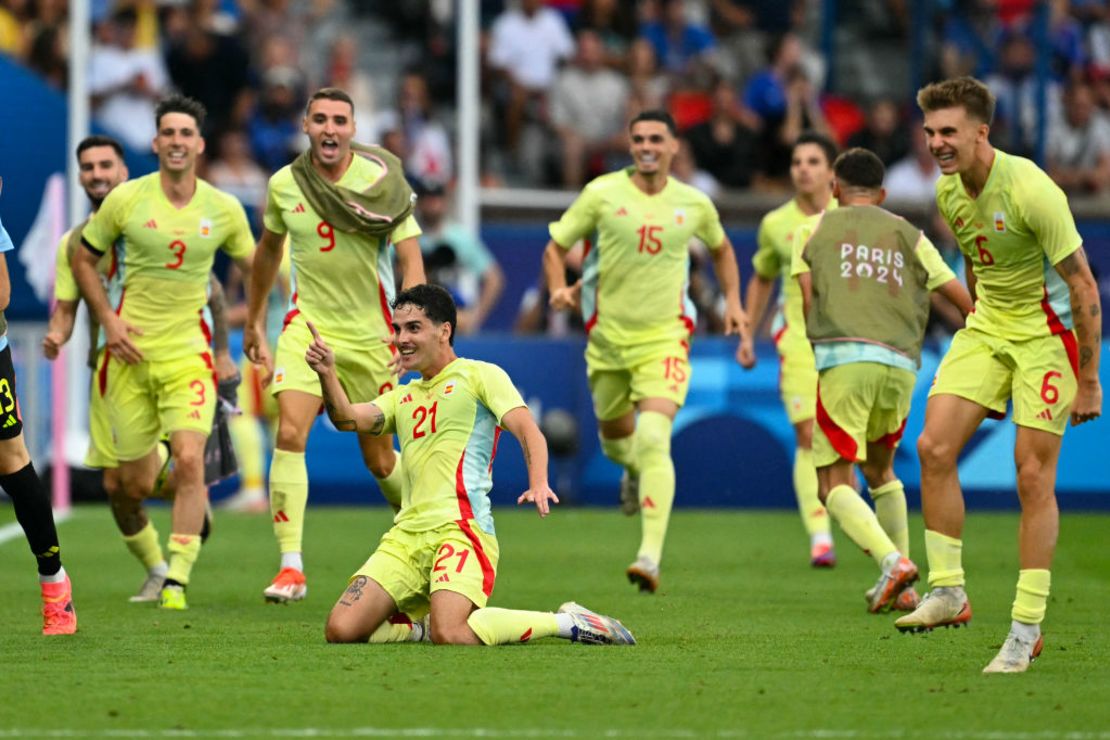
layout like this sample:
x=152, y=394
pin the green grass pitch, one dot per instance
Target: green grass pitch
x=744, y=640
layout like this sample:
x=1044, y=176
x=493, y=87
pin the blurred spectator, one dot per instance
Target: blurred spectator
x=344, y=72
x=47, y=55
x=765, y=93
x=884, y=133
x=1015, y=89
x=1078, y=151
x=742, y=28
x=725, y=146
x=526, y=46
x=457, y=260
x=614, y=22
x=588, y=105
x=424, y=145
x=686, y=169
x=125, y=81
x=914, y=178
x=680, y=46
x=535, y=315
x=11, y=32
x=234, y=171
x=648, y=86
x=274, y=126
x=212, y=68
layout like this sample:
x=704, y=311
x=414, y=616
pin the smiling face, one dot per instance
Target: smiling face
x=810, y=170
x=178, y=143
x=100, y=170
x=420, y=341
x=953, y=138
x=652, y=147
x=330, y=125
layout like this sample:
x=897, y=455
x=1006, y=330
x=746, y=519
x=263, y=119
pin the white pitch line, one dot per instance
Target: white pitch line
x=13, y=530
x=479, y=732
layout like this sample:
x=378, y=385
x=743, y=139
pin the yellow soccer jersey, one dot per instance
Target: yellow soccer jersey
x=773, y=256
x=167, y=256
x=65, y=285
x=635, y=276
x=448, y=427
x=341, y=282
x=1014, y=233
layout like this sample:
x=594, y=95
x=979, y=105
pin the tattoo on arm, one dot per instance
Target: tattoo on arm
x=1073, y=262
x=379, y=421
x=354, y=591
x=1086, y=354
x=1095, y=311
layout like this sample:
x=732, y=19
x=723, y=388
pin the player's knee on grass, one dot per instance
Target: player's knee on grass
x=452, y=634
x=341, y=627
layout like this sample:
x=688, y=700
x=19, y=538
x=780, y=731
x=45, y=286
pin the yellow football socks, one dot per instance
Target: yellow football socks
x=184, y=549
x=393, y=485
x=890, y=509
x=495, y=626
x=814, y=516
x=652, y=445
x=288, y=498
x=144, y=546
x=945, y=559
x=250, y=450
x=1032, y=595
x=858, y=522
x=395, y=629
x=619, y=451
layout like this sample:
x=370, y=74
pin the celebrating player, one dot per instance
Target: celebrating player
x=638, y=315
x=1031, y=281
x=156, y=373
x=19, y=480
x=341, y=212
x=865, y=277
x=811, y=173
x=440, y=557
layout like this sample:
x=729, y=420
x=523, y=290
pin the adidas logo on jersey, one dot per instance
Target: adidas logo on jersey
x=151, y=224
x=443, y=579
x=194, y=414
x=1045, y=415
x=10, y=421
x=622, y=211
x=280, y=517
x=298, y=209
x=406, y=399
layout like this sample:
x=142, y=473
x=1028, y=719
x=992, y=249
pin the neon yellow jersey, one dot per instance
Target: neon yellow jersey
x=341, y=282
x=1018, y=228
x=65, y=285
x=448, y=427
x=635, y=276
x=166, y=258
x=772, y=259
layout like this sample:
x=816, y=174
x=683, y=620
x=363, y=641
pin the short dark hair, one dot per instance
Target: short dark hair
x=658, y=115
x=437, y=303
x=180, y=104
x=97, y=140
x=827, y=145
x=859, y=168
x=961, y=92
x=330, y=93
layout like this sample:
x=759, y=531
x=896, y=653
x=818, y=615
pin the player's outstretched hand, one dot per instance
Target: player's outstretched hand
x=745, y=353
x=1088, y=402
x=117, y=335
x=540, y=497
x=319, y=355
x=566, y=298
x=394, y=363
x=736, y=321
x=254, y=344
x=52, y=344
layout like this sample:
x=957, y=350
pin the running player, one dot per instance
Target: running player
x=341, y=212
x=811, y=173
x=440, y=557
x=638, y=315
x=19, y=480
x=156, y=373
x=1031, y=281
x=865, y=276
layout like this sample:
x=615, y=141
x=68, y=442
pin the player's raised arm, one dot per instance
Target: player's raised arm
x=116, y=330
x=1087, y=314
x=521, y=425
x=562, y=297
x=259, y=279
x=346, y=416
x=410, y=262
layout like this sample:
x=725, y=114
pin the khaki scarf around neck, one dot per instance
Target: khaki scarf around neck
x=376, y=211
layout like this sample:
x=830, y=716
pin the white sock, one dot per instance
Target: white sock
x=890, y=561
x=821, y=538
x=56, y=578
x=1027, y=632
x=565, y=623
x=292, y=560
x=159, y=570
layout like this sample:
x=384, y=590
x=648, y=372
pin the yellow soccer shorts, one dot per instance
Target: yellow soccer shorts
x=860, y=403
x=1039, y=375
x=797, y=374
x=102, y=451
x=363, y=370
x=155, y=396
x=620, y=377
x=411, y=566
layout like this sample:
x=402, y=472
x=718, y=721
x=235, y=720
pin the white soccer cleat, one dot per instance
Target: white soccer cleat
x=630, y=494
x=890, y=585
x=288, y=585
x=151, y=590
x=644, y=573
x=591, y=628
x=946, y=606
x=1016, y=654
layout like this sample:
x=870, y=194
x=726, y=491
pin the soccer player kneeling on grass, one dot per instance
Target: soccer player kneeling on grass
x=440, y=557
x=865, y=276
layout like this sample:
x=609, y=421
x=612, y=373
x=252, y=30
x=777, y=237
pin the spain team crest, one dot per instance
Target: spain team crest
x=206, y=227
x=680, y=216
x=449, y=388
x=999, y=221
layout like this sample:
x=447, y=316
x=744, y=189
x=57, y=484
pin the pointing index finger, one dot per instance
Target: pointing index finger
x=312, y=328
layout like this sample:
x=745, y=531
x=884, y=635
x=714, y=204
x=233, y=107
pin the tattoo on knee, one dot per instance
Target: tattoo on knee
x=354, y=591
